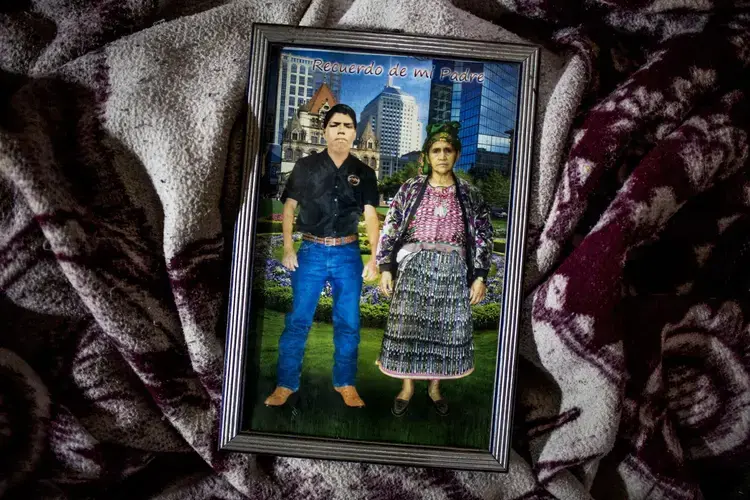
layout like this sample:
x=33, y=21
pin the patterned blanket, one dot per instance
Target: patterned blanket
x=119, y=158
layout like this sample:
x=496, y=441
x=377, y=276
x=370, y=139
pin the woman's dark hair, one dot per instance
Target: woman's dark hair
x=344, y=110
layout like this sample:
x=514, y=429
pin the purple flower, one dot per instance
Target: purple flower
x=371, y=295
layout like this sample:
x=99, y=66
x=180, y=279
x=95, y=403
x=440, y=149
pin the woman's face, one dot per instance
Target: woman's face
x=442, y=157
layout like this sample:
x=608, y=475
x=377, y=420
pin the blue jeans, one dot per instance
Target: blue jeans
x=342, y=267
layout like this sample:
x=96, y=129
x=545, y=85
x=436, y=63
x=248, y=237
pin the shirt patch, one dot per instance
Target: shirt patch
x=353, y=180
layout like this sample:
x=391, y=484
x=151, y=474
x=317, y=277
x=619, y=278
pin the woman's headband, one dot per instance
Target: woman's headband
x=447, y=131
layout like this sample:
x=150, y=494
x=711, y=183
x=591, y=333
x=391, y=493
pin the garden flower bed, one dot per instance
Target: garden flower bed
x=272, y=289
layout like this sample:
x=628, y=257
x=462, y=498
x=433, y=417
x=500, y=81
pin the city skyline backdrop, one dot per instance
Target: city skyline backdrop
x=362, y=88
x=399, y=106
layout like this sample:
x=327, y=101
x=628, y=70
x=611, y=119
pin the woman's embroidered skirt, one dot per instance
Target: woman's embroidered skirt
x=428, y=334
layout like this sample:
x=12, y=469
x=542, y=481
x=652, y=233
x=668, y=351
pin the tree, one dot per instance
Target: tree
x=495, y=189
x=494, y=186
x=476, y=173
x=389, y=186
x=463, y=174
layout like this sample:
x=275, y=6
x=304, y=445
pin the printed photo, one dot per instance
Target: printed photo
x=380, y=247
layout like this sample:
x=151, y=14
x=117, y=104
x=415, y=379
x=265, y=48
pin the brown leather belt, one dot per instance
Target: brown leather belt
x=330, y=241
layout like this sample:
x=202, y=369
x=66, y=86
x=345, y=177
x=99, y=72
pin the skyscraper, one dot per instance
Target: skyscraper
x=297, y=82
x=486, y=110
x=393, y=115
x=441, y=93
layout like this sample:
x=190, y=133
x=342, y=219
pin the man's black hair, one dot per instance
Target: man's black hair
x=344, y=110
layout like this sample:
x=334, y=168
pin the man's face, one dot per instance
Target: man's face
x=340, y=133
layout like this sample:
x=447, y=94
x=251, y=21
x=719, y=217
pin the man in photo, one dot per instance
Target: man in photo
x=332, y=189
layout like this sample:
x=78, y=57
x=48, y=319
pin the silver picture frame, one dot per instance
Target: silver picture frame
x=232, y=437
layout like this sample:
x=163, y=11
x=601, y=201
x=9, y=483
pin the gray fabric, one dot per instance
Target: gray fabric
x=120, y=149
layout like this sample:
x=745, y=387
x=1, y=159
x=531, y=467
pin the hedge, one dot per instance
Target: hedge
x=485, y=317
x=279, y=298
x=268, y=226
x=274, y=297
x=364, y=247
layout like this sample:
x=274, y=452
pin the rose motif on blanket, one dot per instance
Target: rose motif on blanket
x=707, y=380
x=695, y=402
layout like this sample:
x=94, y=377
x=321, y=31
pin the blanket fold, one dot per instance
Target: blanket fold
x=120, y=151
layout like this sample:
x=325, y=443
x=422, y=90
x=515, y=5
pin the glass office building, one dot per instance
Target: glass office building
x=487, y=112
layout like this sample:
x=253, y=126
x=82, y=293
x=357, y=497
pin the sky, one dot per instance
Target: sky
x=359, y=89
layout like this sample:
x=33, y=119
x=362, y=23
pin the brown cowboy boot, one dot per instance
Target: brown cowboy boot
x=279, y=396
x=351, y=398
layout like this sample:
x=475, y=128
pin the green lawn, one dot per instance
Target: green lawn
x=500, y=228
x=319, y=411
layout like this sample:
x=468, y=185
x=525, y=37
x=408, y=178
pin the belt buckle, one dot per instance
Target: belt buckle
x=325, y=241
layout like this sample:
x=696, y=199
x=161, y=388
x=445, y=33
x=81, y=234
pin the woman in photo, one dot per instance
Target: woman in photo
x=434, y=255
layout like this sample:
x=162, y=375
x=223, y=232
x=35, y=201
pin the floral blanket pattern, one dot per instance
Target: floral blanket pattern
x=120, y=148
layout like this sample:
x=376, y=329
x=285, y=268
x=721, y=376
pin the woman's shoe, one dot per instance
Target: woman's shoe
x=399, y=407
x=441, y=406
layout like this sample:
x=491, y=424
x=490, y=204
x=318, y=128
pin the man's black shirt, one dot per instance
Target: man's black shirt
x=331, y=199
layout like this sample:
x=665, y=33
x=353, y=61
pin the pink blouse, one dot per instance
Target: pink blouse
x=438, y=218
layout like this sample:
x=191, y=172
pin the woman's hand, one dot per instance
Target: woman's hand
x=477, y=292
x=386, y=283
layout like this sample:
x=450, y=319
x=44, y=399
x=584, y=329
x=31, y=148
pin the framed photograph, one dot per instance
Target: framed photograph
x=378, y=254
